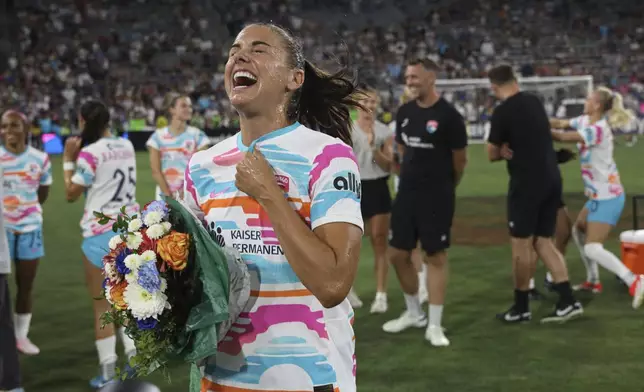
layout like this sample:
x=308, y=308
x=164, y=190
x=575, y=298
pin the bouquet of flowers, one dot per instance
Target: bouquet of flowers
x=169, y=283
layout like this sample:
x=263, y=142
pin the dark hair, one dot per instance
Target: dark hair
x=170, y=101
x=501, y=75
x=97, y=120
x=324, y=100
x=428, y=64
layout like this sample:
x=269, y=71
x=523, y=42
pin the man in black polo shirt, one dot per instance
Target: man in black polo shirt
x=432, y=138
x=520, y=131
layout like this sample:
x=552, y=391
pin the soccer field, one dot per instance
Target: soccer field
x=601, y=352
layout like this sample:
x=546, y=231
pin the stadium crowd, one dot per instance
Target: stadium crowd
x=60, y=55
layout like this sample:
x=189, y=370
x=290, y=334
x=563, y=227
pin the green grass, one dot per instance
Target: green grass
x=601, y=352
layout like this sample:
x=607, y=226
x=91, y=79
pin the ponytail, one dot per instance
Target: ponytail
x=97, y=119
x=325, y=100
x=619, y=117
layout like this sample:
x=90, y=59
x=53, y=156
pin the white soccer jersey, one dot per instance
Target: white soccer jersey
x=108, y=169
x=284, y=340
x=598, y=168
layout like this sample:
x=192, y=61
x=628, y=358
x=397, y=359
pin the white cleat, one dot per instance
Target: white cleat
x=405, y=321
x=25, y=346
x=436, y=336
x=379, y=305
x=638, y=292
x=354, y=300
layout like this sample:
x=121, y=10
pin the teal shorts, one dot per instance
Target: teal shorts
x=26, y=246
x=95, y=247
x=606, y=211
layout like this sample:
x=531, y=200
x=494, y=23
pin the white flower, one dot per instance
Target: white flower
x=143, y=304
x=115, y=241
x=148, y=256
x=132, y=277
x=134, y=240
x=133, y=262
x=156, y=231
x=134, y=225
x=167, y=226
x=108, y=297
x=152, y=217
x=111, y=273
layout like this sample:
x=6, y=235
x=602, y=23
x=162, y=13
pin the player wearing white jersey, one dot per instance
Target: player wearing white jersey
x=603, y=111
x=171, y=147
x=288, y=198
x=104, y=169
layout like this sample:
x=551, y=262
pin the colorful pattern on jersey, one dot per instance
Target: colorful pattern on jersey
x=23, y=175
x=284, y=324
x=598, y=168
x=176, y=152
x=108, y=169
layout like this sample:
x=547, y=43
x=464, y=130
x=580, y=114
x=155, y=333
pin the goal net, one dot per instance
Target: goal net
x=562, y=97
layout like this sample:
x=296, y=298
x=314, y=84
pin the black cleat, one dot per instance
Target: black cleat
x=512, y=316
x=535, y=295
x=563, y=313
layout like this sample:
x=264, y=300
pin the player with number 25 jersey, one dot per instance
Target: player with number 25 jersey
x=107, y=168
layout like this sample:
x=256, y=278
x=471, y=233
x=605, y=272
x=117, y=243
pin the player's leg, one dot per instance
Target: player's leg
x=404, y=236
x=592, y=283
x=603, y=215
x=522, y=218
x=435, y=239
x=9, y=364
x=567, y=306
x=379, y=236
x=29, y=251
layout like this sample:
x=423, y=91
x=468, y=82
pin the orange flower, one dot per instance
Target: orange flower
x=116, y=295
x=174, y=249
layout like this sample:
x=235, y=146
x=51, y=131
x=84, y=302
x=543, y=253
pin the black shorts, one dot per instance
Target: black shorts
x=533, y=212
x=422, y=215
x=376, y=198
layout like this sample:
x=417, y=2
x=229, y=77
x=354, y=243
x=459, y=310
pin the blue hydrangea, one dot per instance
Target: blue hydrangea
x=157, y=205
x=149, y=277
x=119, y=261
x=148, y=323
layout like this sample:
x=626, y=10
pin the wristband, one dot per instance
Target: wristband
x=69, y=166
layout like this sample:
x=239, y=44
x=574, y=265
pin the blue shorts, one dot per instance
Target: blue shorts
x=26, y=246
x=94, y=248
x=606, y=211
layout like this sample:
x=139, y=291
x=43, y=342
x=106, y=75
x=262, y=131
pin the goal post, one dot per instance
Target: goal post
x=563, y=96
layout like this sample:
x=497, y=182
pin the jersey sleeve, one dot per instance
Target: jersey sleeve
x=153, y=141
x=576, y=122
x=592, y=135
x=457, y=137
x=202, y=140
x=46, y=177
x=497, y=134
x=85, y=169
x=335, y=188
x=190, y=200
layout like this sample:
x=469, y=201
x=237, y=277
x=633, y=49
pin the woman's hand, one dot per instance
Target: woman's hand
x=255, y=176
x=72, y=148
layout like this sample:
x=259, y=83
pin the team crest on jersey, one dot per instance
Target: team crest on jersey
x=431, y=126
x=33, y=169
